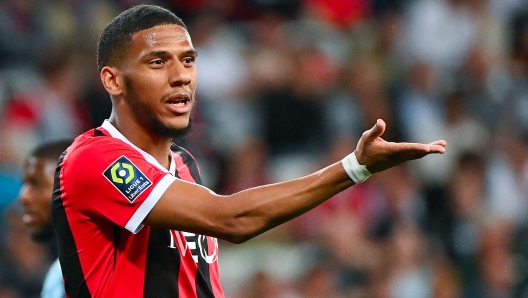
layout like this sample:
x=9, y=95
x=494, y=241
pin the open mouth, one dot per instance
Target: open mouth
x=179, y=99
x=179, y=103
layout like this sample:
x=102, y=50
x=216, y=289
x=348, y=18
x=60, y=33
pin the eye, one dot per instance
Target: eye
x=157, y=62
x=188, y=61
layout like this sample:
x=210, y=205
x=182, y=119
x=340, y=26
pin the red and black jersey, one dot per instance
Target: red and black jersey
x=104, y=187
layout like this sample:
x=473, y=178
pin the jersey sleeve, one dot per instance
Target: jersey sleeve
x=110, y=180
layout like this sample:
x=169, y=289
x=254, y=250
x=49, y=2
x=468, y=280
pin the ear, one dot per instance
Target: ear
x=112, y=80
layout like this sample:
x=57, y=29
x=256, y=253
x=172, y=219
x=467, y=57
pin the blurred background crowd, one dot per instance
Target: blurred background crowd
x=286, y=87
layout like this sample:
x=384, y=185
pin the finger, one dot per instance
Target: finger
x=437, y=146
x=375, y=132
x=436, y=149
x=416, y=148
x=439, y=142
x=425, y=148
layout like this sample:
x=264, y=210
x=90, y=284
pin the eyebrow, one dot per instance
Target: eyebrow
x=166, y=53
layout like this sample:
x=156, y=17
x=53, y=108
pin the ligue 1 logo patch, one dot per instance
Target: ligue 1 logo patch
x=127, y=178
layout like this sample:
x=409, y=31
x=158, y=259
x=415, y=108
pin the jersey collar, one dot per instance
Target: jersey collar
x=116, y=134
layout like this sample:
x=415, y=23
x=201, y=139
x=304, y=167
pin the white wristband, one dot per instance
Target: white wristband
x=358, y=173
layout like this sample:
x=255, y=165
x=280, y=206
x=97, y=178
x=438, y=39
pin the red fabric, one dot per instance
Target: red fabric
x=96, y=209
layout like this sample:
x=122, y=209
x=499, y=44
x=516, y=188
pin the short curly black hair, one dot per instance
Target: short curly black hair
x=52, y=149
x=118, y=33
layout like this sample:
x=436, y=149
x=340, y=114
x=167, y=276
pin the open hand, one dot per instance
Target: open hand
x=378, y=155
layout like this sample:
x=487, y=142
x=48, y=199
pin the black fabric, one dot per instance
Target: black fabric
x=75, y=285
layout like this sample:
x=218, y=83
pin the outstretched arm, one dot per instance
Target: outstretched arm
x=246, y=214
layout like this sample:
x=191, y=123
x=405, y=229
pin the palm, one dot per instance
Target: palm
x=378, y=155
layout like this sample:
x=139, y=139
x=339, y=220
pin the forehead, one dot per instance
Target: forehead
x=40, y=167
x=162, y=35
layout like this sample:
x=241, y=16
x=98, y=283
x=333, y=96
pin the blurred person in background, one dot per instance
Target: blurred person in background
x=49, y=108
x=35, y=198
x=61, y=113
x=410, y=274
x=145, y=224
x=507, y=176
x=438, y=32
x=319, y=281
x=23, y=34
x=264, y=285
x=461, y=226
x=496, y=263
x=420, y=116
x=291, y=117
x=23, y=262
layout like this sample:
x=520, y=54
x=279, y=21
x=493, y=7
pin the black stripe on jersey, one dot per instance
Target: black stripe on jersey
x=117, y=240
x=98, y=133
x=163, y=266
x=189, y=161
x=74, y=281
x=204, y=289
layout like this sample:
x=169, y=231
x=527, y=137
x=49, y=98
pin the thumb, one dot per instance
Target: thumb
x=375, y=132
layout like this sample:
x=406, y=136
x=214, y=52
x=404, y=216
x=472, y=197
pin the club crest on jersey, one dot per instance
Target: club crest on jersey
x=127, y=178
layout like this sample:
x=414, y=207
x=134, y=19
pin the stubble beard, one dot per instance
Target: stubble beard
x=147, y=118
x=43, y=233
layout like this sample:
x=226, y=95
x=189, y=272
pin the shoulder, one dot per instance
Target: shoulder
x=95, y=141
x=96, y=146
x=92, y=155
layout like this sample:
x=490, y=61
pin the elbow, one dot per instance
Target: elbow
x=240, y=238
x=236, y=239
x=238, y=224
x=239, y=232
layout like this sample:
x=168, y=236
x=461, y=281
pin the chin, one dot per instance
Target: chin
x=174, y=130
x=42, y=233
x=179, y=126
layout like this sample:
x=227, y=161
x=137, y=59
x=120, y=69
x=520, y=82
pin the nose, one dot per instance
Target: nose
x=180, y=75
x=23, y=196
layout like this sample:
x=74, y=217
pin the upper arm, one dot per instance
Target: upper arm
x=193, y=208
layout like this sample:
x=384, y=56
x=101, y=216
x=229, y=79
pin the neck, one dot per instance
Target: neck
x=154, y=144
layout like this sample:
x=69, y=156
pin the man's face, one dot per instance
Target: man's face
x=35, y=195
x=160, y=79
